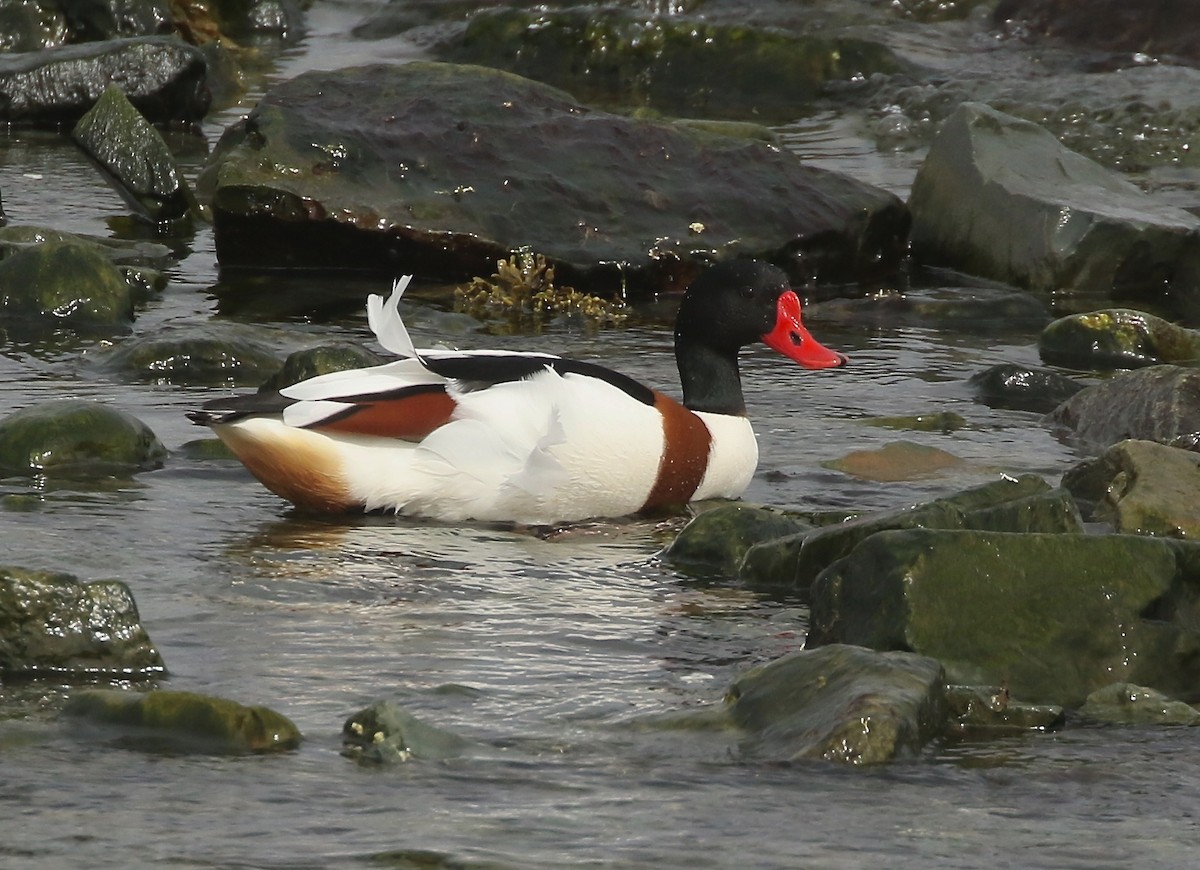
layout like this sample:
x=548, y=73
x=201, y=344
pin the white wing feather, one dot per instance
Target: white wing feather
x=384, y=319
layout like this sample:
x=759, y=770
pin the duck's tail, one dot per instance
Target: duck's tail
x=384, y=319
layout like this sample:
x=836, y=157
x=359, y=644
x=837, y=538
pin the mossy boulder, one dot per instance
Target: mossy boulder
x=1159, y=403
x=195, y=356
x=51, y=625
x=64, y=285
x=1117, y=338
x=714, y=542
x=184, y=721
x=311, y=362
x=1127, y=704
x=74, y=437
x=840, y=703
x=445, y=169
x=1142, y=488
x=137, y=159
x=1052, y=616
x=991, y=711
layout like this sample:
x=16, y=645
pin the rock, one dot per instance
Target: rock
x=714, y=542
x=261, y=19
x=840, y=703
x=116, y=135
x=1118, y=338
x=1021, y=388
x=64, y=285
x=442, y=170
x=679, y=64
x=939, y=421
x=790, y=564
x=1142, y=488
x=184, y=721
x=957, y=309
x=896, y=460
x=1165, y=29
x=53, y=626
x=1160, y=403
x=195, y=356
x=163, y=77
x=311, y=362
x=1053, y=617
x=1001, y=197
x=32, y=27
x=75, y=437
x=385, y=734
x=1127, y=704
x=979, y=712
x=93, y=20
x=123, y=253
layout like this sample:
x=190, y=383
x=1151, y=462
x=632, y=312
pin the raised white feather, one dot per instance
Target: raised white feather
x=384, y=319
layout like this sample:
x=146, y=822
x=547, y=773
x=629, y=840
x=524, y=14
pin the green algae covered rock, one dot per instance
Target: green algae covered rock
x=840, y=703
x=385, y=733
x=74, y=437
x=51, y=625
x=1117, y=338
x=185, y=721
x=714, y=543
x=1126, y=704
x=1052, y=616
x=196, y=356
x=63, y=285
x=989, y=712
x=311, y=362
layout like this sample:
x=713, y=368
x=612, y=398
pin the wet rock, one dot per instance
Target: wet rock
x=53, y=626
x=32, y=26
x=94, y=20
x=937, y=421
x=137, y=159
x=443, y=170
x=1021, y=388
x=679, y=64
x=979, y=712
x=1025, y=504
x=162, y=76
x=309, y=363
x=163, y=720
x=122, y=252
x=1053, y=617
x=1001, y=197
x=64, y=285
x=1142, y=488
x=385, y=733
x=971, y=309
x=1116, y=338
x=896, y=460
x=76, y=438
x=714, y=543
x=1127, y=704
x=1160, y=403
x=194, y=356
x=1165, y=29
x=260, y=19
x=840, y=703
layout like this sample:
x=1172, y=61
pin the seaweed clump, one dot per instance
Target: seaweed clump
x=522, y=289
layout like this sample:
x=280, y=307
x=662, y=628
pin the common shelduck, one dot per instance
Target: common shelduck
x=525, y=437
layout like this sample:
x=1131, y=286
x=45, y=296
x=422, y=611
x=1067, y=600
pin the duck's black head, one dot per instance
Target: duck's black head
x=730, y=305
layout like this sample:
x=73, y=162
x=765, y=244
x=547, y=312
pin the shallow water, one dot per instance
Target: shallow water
x=550, y=651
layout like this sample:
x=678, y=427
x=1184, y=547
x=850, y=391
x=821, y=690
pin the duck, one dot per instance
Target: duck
x=524, y=437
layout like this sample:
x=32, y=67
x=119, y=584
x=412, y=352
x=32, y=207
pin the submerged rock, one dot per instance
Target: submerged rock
x=116, y=135
x=443, y=170
x=1127, y=704
x=896, y=460
x=162, y=76
x=979, y=712
x=321, y=360
x=1117, y=338
x=1021, y=388
x=714, y=543
x=63, y=285
x=53, y=626
x=195, y=357
x=1000, y=197
x=840, y=703
x=75, y=437
x=1142, y=488
x=184, y=721
x=1054, y=617
x=1160, y=403
x=385, y=733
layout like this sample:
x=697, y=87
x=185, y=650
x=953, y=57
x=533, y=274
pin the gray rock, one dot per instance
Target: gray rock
x=162, y=76
x=1127, y=704
x=76, y=438
x=93, y=20
x=385, y=733
x=840, y=703
x=53, y=626
x=1142, y=488
x=1054, y=617
x=1160, y=403
x=1001, y=197
x=116, y=135
x=463, y=165
x=1021, y=388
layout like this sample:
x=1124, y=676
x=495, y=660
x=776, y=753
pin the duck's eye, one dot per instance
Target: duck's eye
x=746, y=292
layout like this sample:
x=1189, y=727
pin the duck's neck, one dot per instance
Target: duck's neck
x=711, y=380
